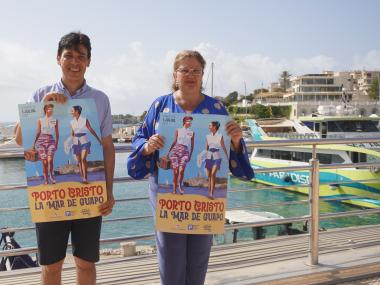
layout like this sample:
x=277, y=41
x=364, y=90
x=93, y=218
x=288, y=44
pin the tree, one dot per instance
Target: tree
x=142, y=116
x=231, y=98
x=373, y=91
x=262, y=111
x=232, y=109
x=285, y=80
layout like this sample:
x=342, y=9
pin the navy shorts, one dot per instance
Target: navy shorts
x=52, y=239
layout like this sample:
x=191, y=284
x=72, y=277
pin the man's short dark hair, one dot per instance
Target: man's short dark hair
x=72, y=41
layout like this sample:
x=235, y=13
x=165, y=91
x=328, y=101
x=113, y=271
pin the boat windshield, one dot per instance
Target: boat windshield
x=324, y=158
x=346, y=126
x=353, y=126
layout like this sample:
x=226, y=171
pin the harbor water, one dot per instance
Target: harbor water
x=12, y=171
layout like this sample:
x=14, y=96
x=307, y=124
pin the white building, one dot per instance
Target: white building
x=244, y=103
x=330, y=86
x=325, y=86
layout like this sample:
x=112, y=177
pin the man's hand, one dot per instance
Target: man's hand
x=106, y=208
x=57, y=97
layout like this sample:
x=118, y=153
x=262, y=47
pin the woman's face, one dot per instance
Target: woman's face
x=188, y=75
x=212, y=128
x=74, y=113
x=187, y=124
x=49, y=111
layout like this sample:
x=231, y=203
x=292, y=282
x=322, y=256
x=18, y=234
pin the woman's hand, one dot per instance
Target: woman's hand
x=154, y=143
x=235, y=132
x=57, y=97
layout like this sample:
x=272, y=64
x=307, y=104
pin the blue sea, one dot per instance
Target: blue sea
x=12, y=171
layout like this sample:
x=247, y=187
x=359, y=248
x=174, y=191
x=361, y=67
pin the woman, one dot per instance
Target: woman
x=180, y=154
x=81, y=143
x=214, y=142
x=45, y=142
x=183, y=258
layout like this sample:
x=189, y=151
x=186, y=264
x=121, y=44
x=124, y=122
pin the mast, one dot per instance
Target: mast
x=212, y=79
x=245, y=98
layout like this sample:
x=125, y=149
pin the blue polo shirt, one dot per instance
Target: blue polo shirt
x=85, y=92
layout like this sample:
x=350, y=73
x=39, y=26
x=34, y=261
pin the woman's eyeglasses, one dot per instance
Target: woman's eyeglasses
x=185, y=71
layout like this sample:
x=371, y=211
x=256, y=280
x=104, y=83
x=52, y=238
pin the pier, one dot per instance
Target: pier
x=345, y=254
x=317, y=257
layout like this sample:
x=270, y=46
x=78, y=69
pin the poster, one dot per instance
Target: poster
x=63, y=160
x=193, y=173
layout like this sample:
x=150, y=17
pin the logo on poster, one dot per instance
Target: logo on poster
x=85, y=212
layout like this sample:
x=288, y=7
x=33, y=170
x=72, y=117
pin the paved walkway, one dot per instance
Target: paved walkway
x=367, y=281
x=345, y=254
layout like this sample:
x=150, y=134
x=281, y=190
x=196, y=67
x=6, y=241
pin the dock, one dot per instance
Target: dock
x=345, y=255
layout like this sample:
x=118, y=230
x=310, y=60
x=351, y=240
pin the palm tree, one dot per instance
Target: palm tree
x=285, y=80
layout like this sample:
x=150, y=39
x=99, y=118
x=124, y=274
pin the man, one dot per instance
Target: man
x=74, y=56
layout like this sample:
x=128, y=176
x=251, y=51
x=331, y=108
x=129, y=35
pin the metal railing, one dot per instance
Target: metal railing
x=313, y=217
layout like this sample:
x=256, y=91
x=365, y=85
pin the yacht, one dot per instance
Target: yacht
x=334, y=183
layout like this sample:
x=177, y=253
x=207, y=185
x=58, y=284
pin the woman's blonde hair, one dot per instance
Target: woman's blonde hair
x=183, y=55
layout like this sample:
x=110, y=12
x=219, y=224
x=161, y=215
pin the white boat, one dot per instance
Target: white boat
x=340, y=122
x=334, y=183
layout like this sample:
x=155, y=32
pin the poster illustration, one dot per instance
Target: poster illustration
x=63, y=160
x=193, y=173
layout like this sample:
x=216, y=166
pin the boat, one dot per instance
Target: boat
x=333, y=123
x=334, y=183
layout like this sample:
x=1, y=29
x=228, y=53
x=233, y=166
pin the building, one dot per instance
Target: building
x=332, y=86
x=244, y=103
x=362, y=80
x=326, y=86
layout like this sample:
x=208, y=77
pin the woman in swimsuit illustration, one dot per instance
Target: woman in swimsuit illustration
x=81, y=143
x=180, y=152
x=214, y=143
x=45, y=143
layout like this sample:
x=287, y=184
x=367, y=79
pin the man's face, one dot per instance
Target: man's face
x=73, y=63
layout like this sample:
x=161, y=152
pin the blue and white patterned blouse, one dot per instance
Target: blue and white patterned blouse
x=140, y=166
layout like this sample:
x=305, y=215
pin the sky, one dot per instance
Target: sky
x=134, y=43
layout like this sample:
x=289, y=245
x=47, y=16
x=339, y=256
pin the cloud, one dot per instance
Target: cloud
x=133, y=79
x=369, y=61
x=22, y=71
x=256, y=70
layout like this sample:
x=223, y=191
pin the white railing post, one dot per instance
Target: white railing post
x=314, y=210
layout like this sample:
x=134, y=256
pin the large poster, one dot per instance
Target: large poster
x=193, y=173
x=63, y=160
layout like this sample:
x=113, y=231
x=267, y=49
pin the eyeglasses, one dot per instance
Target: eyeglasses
x=186, y=71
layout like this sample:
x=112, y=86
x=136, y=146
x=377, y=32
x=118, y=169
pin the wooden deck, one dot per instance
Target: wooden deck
x=344, y=254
